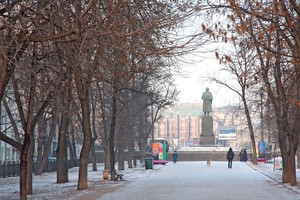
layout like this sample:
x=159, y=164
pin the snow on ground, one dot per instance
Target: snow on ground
x=193, y=180
x=45, y=187
x=269, y=170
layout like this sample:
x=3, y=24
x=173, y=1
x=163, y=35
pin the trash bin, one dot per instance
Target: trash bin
x=148, y=163
x=105, y=174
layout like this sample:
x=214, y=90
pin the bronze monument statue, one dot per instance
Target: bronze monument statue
x=207, y=101
x=207, y=137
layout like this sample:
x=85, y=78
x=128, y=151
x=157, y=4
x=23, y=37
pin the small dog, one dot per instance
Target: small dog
x=208, y=163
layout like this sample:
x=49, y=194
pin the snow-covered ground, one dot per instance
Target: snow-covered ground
x=45, y=187
x=193, y=180
x=270, y=171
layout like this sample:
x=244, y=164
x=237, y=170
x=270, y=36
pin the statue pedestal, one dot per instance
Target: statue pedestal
x=207, y=137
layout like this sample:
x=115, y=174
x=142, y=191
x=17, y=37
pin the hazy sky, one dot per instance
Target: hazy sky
x=194, y=83
x=199, y=67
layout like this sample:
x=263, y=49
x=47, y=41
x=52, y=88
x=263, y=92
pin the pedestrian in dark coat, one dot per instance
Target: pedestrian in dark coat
x=175, y=156
x=241, y=155
x=245, y=156
x=230, y=156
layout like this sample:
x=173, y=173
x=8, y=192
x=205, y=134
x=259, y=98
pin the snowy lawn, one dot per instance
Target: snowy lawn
x=268, y=170
x=45, y=186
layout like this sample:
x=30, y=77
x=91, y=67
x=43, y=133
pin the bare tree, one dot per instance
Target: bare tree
x=241, y=64
x=271, y=27
x=47, y=145
x=100, y=45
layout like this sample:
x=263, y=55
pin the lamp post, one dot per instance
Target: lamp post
x=261, y=114
x=261, y=145
x=1, y=154
x=152, y=122
x=178, y=129
x=189, y=128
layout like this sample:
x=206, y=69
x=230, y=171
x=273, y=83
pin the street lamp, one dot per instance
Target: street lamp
x=261, y=144
x=261, y=113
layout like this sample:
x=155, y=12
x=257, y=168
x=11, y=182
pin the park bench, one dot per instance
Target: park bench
x=118, y=176
x=261, y=160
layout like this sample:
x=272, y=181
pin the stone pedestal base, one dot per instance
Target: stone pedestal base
x=207, y=140
x=207, y=136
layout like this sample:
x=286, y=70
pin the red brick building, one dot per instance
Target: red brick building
x=181, y=125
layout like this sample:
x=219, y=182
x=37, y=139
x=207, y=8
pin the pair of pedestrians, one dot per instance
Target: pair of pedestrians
x=243, y=155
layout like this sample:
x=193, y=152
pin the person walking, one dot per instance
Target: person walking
x=241, y=155
x=230, y=156
x=175, y=156
x=245, y=155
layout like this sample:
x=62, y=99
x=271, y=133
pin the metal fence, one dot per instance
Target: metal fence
x=8, y=170
x=11, y=169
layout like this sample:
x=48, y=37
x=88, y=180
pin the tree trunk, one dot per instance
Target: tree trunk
x=107, y=160
x=298, y=156
x=83, y=94
x=112, y=135
x=28, y=132
x=249, y=122
x=28, y=146
x=72, y=147
x=40, y=143
x=130, y=151
x=94, y=133
x=93, y=155
x=121, y=159
x=23, y=167
x=61, y=152
x=84, y=154
x=47, y=147
x=105, y=139
x=285, y=159
x=292, y=166
x=142, y=147
x=29, y=188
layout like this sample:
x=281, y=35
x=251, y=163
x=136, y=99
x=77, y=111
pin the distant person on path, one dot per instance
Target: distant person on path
x=244, y=155
x=175, y=156
x=241, y=155
x=230, y=156
x=207, y=101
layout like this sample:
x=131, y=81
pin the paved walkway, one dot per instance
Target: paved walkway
x=181, y=181
x=194, y=181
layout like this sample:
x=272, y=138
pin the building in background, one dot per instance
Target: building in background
x=181, y=126
x=8, y=153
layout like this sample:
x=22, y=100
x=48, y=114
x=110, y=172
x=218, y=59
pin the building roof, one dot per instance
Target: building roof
x=184, y=109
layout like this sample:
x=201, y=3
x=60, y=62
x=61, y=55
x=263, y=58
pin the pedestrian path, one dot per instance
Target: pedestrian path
x=194, y=181
x=183, y=180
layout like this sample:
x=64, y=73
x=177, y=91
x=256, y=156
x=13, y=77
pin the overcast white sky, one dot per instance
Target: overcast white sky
x=201, y=66
x=194, y=83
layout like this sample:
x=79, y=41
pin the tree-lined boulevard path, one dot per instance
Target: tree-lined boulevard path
x=194, y=181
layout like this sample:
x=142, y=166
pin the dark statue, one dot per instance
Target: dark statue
x=207, y=101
